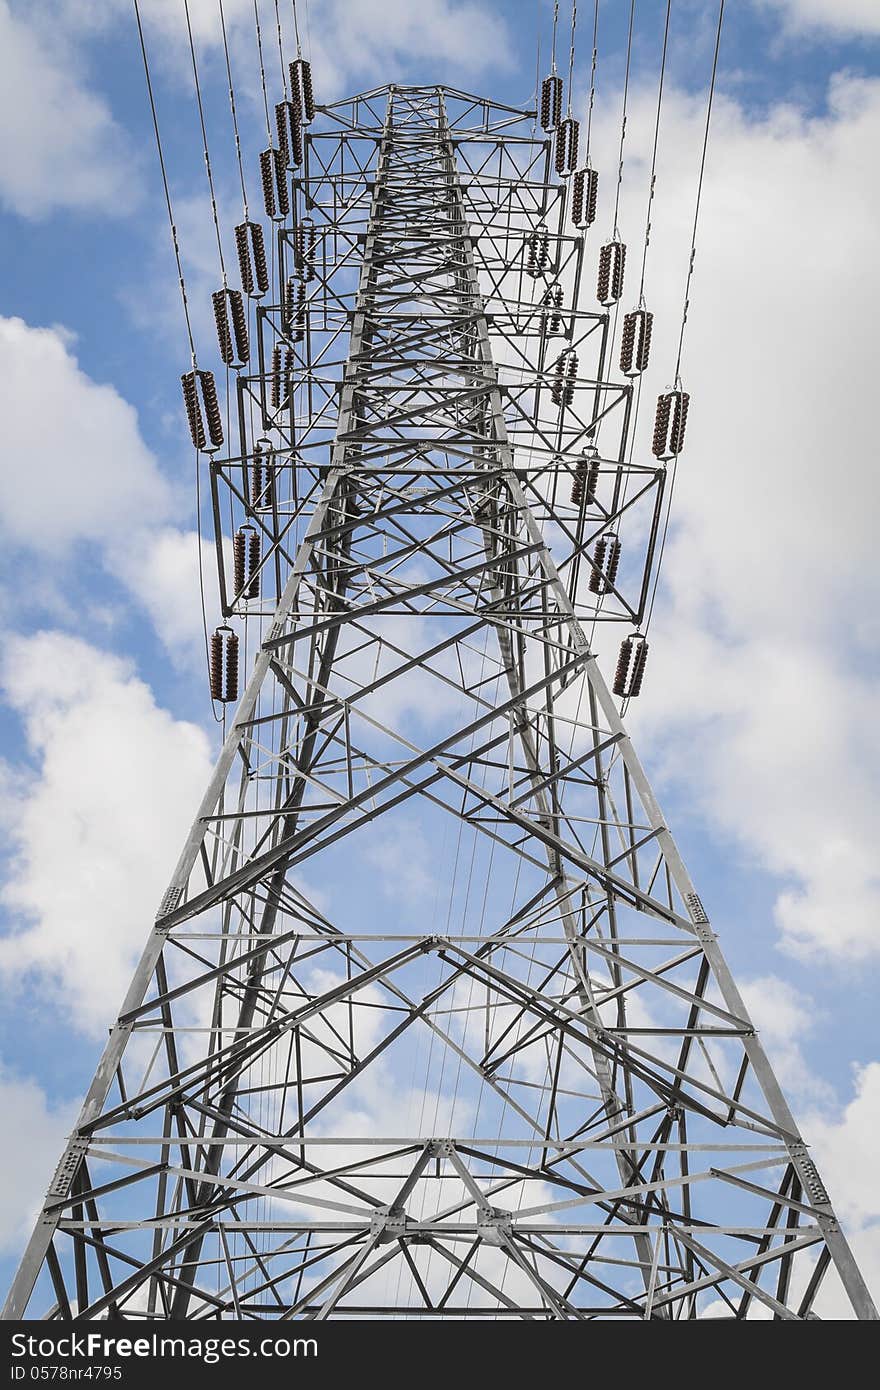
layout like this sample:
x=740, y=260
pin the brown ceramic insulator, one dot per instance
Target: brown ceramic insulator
x=301, y=86
x=221, y=320
x=275, y=377
x=612, y=263
x=635, y=341
x=230, y=684
x=216, y=665
x=622, y=670
x=212, y=408
x=193, y=409
x=239, y=325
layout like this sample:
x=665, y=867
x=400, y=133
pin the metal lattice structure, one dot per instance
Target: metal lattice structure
x=601, y=1133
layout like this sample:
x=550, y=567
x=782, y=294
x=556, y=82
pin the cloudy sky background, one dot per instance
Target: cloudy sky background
x=764, y=666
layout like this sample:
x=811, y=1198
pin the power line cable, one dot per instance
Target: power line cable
x=653, y=183
x=198, y=89
x=244, y=197
x=684, y=316
x=616, y=230
x=174, y=240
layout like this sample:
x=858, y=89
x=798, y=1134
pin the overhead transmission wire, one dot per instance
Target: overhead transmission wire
x=686, y=305
x=208, y=170
x=232, y=108
x=174, y=240
x=296, y=29
x=574, y=12
x=186, y=314
x=593, y=63
x=262, y=69
x=615, y=231
x=653, y=180
x=281, y=50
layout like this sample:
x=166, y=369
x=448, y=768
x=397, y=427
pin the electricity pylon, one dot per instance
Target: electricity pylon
x=547, y=1100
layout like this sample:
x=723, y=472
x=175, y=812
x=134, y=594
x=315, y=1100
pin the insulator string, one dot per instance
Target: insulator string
x=653, y=183
x=615, y=228
x=238, y=154
x=192, y=51
x=174, y=241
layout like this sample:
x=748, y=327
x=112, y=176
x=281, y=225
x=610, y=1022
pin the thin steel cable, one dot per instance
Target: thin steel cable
x=615, y=233
x=574, y=13
x=238, y=154
x=281, y=50
x=214, y=214
x=593, y=64
x=296, y=29
x=693, y=250
x=653, y=183
x=553, y=44
x=174, y=241
x=259, y=33
x=674, y=466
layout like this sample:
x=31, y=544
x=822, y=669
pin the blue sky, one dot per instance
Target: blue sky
x=765, y=663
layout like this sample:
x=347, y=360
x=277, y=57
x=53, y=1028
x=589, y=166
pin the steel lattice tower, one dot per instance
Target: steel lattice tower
x=604, y=1135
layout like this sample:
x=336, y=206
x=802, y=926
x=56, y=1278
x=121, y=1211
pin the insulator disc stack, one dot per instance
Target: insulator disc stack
x=202, y=409
x=551, y=103
x=246, y=563
x=232, y=331
x=551, y=307
x=669, y=424
x=630, y=666
x=301, y=89
x=564, y=377
x=294, y=309
x=586, y=478
x=273, y=174
x=224, y=665
x=252, y=264
x=567, y=140
x=612, y=264
x=606, y=559
x=281, y=376
x=263, y=475
x=584, y=196
x=538, y=251
x=635, y=341
x=304, y=241
x=289, y=128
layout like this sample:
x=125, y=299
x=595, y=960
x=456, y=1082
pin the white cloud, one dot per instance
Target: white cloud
x=842, y=18
x=77, y=466
x=760, y=686
x=62, y=148
x=160, y=567
x=31, y=1147
x=345, y=40
x=95, y=831
x=80, y=473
